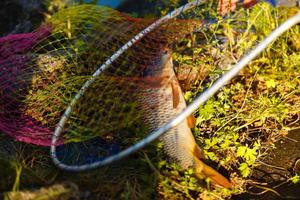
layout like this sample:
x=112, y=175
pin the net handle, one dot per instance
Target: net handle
x=179, y=118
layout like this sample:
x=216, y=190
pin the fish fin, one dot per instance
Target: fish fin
x=217, y=179
x=197, y=152
x=175, y=93
x=191, y=120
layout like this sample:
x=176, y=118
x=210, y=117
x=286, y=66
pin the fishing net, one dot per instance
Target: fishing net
x=41, y=72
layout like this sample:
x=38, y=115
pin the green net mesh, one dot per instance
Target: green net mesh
x=56, y=65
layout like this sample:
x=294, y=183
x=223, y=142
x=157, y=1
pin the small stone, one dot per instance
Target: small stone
x=296, y=167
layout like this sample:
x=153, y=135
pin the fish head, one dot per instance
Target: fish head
x=162, y=66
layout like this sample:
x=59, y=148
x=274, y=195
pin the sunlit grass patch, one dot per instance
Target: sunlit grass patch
x=239, y=126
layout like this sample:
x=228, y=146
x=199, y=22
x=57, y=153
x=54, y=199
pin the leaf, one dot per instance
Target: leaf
x=271, y=83
x=295, y=179
x=241, y=151
x=207, y=111
x=199, y=120
x=226, y=143
x=211, y=155
x=256, y=145
x=250, y=156
x=188, y=95
x=244, y=169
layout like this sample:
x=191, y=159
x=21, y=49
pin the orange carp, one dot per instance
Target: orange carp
x=163, y=103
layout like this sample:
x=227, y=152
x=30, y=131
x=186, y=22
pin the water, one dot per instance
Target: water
x=110, y=3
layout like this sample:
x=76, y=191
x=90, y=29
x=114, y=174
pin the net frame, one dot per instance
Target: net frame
x=179, y=118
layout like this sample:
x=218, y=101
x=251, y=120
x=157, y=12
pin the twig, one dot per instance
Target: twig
x=217, y=196
x=150, y=164
x=272, y=166
x=291, y=139
x=280, y=184
x=294, y=122
x=243, y=104
x=266, y=189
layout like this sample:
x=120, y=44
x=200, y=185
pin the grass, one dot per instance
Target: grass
x=236, y=128
x=242, y=122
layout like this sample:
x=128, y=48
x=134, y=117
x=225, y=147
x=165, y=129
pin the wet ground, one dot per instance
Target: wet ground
x=273, y=174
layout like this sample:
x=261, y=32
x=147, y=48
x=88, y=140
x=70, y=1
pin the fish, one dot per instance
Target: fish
x=164, y=102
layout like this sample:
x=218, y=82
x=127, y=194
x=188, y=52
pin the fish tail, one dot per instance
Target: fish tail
x=204, y=171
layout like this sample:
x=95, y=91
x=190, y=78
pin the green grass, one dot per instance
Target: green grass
x=242, y=122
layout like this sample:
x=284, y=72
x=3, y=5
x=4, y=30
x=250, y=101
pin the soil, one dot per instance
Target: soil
x=275, y=171
x=20, y=16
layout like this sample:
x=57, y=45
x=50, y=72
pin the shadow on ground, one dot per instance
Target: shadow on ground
x=273, y=174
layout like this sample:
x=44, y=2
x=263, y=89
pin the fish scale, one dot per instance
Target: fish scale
x=160, y=105
x=157, y=104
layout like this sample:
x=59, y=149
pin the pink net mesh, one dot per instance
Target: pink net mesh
x=15, y=62
x=42, y=71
